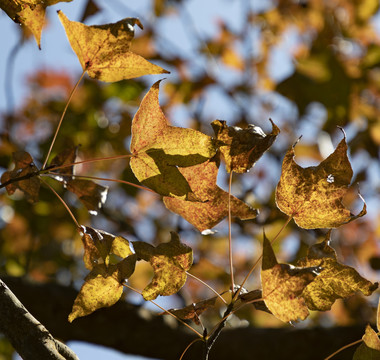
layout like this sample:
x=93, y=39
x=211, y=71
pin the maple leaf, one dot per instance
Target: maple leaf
x=100, y=245
x=334, y=281
x=102, y=287
x=92, y=195
x=170, y=261
x=103, y=50
x=213, y=206
x=241, y=148
x=369, y=349
x=30, y=13
x=192, y=312
x=159, y=148
x=24, y=169
x=313, y=195
x=283, y=286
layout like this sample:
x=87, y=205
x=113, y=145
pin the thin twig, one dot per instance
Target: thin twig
x=104, y=179
x=343, y=348
x=257, y=261
x=87, y=161
x=230, y=234
x=208, y=286
x=63, y=202
x=188, y=347
x=167, y=311
x=61, y=119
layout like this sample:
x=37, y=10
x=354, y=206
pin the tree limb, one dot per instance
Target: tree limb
x=26, y=334
x=135, y=330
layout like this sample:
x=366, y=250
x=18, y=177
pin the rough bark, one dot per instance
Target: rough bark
x=134, y=330
x=26, y=334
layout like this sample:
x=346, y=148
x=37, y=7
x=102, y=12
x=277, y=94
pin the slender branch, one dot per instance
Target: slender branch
x=87, y=161
x=188, y=347
x=230, y=235
x=105, y=179
x=208, y=286
x=63, y=202
x=163, y=309
x=61, y=119
x=343, y=348
x=28, y=336
x=257, y=261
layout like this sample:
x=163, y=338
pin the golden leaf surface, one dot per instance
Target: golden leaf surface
x=313, y=195
x=158, y=148
x=169, y=261
x=101, y=288
x=103, y=50
x=241, y=148
x=283, y=285
x=213, y=206
x=335, y=280
x=27, y=171
x=369, y=349
x=30, y=13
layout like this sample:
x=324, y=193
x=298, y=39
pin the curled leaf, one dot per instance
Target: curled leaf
x=241, y=148
x=159, y=148
x=170, y=261
x=335, y=280
x=103, y=50
x=99, y=245
x=313, y=195
x=283, y=286
x=25, y=169
x=213, y=206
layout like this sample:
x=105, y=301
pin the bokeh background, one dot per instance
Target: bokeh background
x=310, y=65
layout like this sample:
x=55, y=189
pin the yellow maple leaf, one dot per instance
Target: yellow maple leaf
x=104, y=50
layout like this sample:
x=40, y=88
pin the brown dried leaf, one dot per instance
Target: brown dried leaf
x=241, y=148
x=24, y=167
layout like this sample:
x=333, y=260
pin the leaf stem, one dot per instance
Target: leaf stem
x=104, y=179
x=63, y=202
x=62, y=116
x=343, y=348
x=167, y=311
x=230, y=235
x=260, y=257
x=208, y=286
x=188, y=347
x=87, y=161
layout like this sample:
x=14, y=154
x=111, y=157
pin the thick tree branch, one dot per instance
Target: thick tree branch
x=134, y=330
x=27, y=335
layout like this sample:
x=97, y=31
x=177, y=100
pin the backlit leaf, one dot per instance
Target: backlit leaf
x=30, y=13
x=99, y=245
x=24, y=166
x=101, y=288
x=334, y=281
x=313, y=195
x=170, y=261
x=193, y=311
x=103, y=50
x=254, y=297
x=241, y=148
x=159, y=148
x=67, y=156
x=283, y=285
x=213, y=207
x=369, y=349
